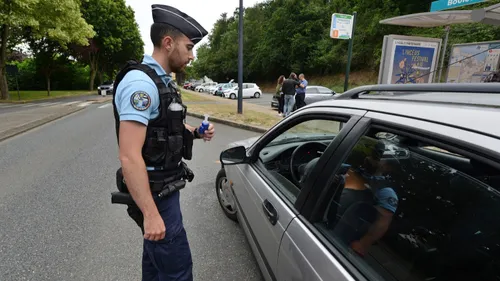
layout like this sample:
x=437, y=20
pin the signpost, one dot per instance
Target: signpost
x=441, y=5
x=343, y=27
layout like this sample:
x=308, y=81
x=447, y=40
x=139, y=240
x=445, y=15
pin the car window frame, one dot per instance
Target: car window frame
x=350, y=117
x=313, y=210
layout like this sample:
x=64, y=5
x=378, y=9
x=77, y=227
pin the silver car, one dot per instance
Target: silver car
x=313, y=94
x=387, y=182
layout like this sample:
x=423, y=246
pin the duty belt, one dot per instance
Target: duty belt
x=163, y=188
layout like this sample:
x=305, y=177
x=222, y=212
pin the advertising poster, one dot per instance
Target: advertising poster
x=409, y=60
x=471, y=63
x=413, y=62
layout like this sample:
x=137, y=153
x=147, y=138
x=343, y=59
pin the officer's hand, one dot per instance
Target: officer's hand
x=154, y=228
x=209, y=134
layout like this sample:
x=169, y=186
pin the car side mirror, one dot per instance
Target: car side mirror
x=234, y=156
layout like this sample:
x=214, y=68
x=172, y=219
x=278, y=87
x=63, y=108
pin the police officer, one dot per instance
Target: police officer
x=153, y=138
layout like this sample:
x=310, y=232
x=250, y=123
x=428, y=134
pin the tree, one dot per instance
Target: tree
x=59, y=20
x=117, y=37
x=48, y=56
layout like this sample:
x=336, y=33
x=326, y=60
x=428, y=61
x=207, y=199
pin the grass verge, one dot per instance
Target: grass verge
x=40, y=95
x=229, y=112
x=191, y=97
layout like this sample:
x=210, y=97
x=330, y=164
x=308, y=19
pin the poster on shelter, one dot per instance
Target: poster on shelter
x=472, y=62
x=412, y=62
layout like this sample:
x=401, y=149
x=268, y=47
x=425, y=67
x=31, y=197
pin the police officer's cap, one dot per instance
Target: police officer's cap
x=184, y=23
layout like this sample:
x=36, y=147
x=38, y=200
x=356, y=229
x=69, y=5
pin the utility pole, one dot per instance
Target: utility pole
x=240, y=59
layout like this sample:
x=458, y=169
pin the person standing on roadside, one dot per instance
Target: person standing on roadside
x=300, y=97
x=153, y=138
x=279, y=94
x=288, y=88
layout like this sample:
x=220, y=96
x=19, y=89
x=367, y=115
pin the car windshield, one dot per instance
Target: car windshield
x=300, y=137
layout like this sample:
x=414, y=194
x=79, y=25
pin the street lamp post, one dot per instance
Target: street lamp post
x=240, y=59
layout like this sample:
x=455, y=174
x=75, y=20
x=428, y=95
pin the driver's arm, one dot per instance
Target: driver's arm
x=387, y=203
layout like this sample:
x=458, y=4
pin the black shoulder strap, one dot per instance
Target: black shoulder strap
x=135, y=65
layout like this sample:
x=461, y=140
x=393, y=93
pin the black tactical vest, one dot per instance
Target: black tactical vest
x=167, y=140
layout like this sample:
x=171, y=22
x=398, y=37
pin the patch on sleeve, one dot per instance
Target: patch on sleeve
x=140, y=100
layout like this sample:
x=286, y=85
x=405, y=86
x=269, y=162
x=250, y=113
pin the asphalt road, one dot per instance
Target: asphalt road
x=58, y=222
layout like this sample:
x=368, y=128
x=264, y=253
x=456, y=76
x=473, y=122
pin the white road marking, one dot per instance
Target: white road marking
x=84, y=104
x=30, y=105
x=72, y=102
x=104, y=106
x=49, y=103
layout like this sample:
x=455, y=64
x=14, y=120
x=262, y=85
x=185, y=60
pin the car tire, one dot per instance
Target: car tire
x=229, y=211
x=232, y=96
x=256, y=95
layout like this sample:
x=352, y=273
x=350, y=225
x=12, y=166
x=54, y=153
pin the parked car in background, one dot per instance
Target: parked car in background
x=193, y=85
x=106, y=87
x=220, y=90
x=250, y=90
x=206, y=86
x=186, y=85
x=314, y=93
x=212, y=90
x=385, y=182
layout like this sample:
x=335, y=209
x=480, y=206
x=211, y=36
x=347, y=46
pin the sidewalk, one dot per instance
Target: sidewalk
x=14, y=123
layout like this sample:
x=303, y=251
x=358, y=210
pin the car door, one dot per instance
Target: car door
x=247, y=90
x=312, y=95
x=428, y=209
x=267, y=197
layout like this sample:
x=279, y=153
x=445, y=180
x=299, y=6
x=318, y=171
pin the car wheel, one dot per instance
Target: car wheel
x=232, y=96
x=225, y=195
x=256, y=95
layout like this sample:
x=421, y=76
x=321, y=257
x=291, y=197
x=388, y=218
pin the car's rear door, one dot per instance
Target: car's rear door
x=267, y=200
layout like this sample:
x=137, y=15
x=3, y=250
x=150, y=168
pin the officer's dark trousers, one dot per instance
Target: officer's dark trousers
x=170, y=258
x=300, y=100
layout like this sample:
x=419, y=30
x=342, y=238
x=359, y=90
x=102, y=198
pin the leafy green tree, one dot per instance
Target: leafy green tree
x=117, y=38
x=59, y=20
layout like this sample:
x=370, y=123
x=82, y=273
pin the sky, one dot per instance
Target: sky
x=205, y=12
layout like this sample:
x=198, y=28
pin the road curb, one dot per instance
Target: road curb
x=230, y=123
x=42, y=99
x=37, y=123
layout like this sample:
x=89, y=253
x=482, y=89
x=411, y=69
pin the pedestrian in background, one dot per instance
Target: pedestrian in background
x=288, y=88
x=279, y=94
x=300, y=97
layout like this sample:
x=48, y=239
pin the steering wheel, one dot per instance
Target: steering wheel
x=306, y=168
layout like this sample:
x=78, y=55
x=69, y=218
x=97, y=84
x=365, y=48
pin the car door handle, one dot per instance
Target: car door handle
x=270, y=212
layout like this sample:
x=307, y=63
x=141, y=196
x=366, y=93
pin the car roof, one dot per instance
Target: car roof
x=475, y=110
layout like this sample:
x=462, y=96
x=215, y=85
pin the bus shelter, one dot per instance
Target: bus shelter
x=487, y=15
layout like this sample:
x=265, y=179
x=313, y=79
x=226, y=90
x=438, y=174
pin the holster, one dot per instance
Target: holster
x=164, y=188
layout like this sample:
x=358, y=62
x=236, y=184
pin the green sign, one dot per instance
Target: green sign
x=341, y=27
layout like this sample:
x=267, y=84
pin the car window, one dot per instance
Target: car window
x=402, y=211
x=279, y=159
x=312, y=90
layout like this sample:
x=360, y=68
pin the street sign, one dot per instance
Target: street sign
x=341, y=27
x=450, y=4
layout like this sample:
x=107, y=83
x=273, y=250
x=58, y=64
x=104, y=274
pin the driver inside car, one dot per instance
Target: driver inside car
x=367, y=203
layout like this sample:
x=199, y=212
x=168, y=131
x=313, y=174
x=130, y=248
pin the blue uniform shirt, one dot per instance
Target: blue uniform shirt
x=137, y=98
x=301, y=90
